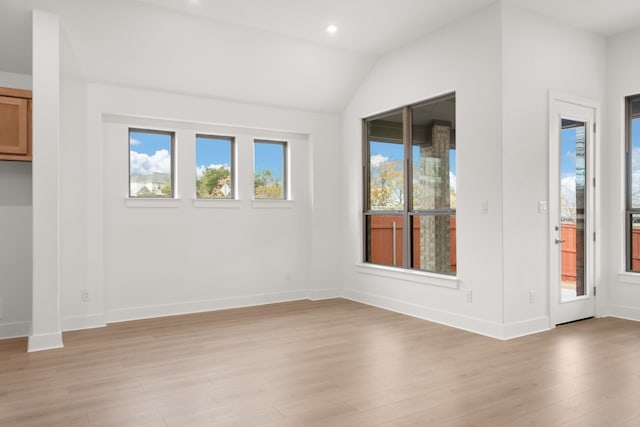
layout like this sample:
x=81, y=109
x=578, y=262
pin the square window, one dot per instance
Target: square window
x=214, y=167
x=270, y=170
x=151, y=163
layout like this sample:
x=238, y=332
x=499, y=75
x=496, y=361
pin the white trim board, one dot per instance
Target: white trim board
x=45, y=342
x=148, y=312
x=466, y=323
x=15, y=330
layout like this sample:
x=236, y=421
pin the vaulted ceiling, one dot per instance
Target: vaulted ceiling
x=262, y=51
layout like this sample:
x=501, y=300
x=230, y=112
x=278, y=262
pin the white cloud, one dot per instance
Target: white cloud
x=376, y=159
x=134, y=141
x=144, y=164
x=635, y=159
x=568, y=188
x=571, y=154
x=200, y=169
x=452, y=181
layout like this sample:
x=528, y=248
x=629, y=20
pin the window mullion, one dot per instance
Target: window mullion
x=408, y=198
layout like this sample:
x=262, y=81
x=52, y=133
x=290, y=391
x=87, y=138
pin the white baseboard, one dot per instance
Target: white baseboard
x=15, y=330
x=320, y=294
x=136, y=313
x=75, y=323
x=624, y=312
x=525, y=327
x=467, y=323
x=45, y=342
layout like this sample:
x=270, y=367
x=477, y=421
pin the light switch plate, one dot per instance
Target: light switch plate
x=542, y=207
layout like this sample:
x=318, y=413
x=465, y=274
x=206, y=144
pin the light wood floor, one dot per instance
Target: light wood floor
x=328, y=363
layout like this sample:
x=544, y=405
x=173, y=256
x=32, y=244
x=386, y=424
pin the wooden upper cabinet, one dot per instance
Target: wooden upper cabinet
x=15, y=124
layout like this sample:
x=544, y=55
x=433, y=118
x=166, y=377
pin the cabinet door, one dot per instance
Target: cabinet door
x=14, y=126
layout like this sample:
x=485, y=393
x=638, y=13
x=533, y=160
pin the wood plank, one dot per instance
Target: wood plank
x=325, y=363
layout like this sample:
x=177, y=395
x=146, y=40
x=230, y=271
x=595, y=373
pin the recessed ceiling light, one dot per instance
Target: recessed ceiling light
x=331, y=28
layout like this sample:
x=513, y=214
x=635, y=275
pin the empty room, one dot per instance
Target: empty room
x=332, y=213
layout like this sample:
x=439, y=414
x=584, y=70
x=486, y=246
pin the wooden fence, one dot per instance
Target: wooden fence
x=381, y=241
x=635, y=245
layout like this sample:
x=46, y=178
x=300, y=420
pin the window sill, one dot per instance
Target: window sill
x=272, y=204
x=151, y=203
x=421, y=277
x=217, y=203
x=631, y=278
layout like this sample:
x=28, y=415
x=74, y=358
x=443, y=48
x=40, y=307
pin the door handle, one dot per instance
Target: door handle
x=558, y=241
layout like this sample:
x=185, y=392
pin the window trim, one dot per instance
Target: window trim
x=285, y=167
x=407, y=213
x=232, y=159
x=172, y=145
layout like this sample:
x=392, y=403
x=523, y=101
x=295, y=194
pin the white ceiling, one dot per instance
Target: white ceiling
x=371, y=26
x=262, y=51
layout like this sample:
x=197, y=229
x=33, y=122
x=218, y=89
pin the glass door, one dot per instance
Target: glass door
x=571, y=192
x=573, y=197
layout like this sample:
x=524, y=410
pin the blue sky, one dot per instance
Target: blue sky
x=269, y=156
x=568, y=152
x=149, y=153
x=209, y=151
x=150, y=143
x=635, y=142
x=213, y=151
x=396, y=152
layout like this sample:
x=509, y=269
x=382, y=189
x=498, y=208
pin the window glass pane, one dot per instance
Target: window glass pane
x=429, y=179
x=433, y=156
x=573, y=196
x=434, y=243
x=213, y=167
x=384, y=240
x=635, y=154
x=269, y=170
x=386, y=160
x=150, y=163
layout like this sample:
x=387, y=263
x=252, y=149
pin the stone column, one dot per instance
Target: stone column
x=435, y=239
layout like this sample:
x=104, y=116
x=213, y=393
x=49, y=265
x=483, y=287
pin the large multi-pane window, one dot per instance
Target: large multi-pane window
x=150, y=163
x=214, y=167
x=270, y=169
x=633, y=183
x=410, y=187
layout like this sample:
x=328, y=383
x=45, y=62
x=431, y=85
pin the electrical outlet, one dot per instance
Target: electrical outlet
x=85, y=295
x=469, y=295
x=532, y=297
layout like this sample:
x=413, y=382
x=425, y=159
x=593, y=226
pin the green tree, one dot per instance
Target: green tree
x=211, y=182
x=165, y=190
x=267, y=186
x=387, y=185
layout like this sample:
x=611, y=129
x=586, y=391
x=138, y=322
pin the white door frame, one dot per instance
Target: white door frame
x=593, y=252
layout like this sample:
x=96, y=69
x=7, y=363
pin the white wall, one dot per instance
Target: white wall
x=16, y=231
x=15, y=248
x=538, y=55
x=140, y=45
x=501, y=62
x=74, y=207
x=45, y=326
x=14, y=80
x=623, y=288
x=464, y=57
x=143, y=261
